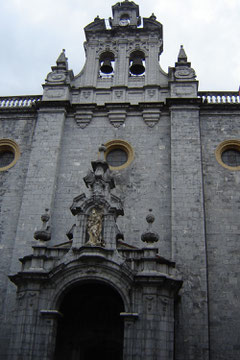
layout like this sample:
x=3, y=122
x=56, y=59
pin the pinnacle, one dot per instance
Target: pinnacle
x=182, y=57
x=62, y=59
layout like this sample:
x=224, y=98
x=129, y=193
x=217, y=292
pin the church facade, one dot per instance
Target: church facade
x=119, y=228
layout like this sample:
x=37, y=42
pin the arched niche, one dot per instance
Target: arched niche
x=91, y=326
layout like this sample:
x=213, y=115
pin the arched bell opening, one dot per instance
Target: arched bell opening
x=137, y=63
x=106, y=60
x=91, y=327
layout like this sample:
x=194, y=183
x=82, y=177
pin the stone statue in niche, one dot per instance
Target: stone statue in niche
x=94, y=228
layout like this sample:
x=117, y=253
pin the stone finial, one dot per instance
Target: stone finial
x=153, y=17
x=44, y=234
x=182, y=57
x=149, y=236
x=62, y=61
x=184, y=72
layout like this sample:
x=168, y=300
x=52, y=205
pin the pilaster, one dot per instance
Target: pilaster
x=41, y=178
x=188, y=230
x=39, y=187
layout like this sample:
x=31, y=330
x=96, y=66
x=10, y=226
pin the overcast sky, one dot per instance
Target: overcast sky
x=34, y=32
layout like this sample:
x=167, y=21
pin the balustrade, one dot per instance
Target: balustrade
x=219, y=97
x=19, y=101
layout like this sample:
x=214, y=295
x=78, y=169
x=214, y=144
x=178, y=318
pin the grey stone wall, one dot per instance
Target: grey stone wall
x=221, y=192
x=175, y=172
x=188, y=232
x=20, y=128
x=144, y=184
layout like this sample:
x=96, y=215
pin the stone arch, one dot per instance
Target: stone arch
x=107, y=60
x=91, y=325
x=89, y=272
x=137, y=62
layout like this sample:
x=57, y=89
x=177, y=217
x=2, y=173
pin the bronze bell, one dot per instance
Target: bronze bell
x=137, y=67
x=106, y=67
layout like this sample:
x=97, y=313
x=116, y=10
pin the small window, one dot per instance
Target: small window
x=116, y=157
x=6, y=157
x=231, y=157
x=119, y=154
x=9, y=154
x=228, y=154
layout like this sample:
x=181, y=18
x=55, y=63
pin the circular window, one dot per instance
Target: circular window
x=9, y=154
x=119, y=154
x=228, y=154
x=116, y=157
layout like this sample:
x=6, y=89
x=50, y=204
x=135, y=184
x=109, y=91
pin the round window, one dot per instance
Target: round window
x=228, y=154
x=116, y=157
x=119, y=154
x=6, y=157
x=231, y=157
x=9, y=154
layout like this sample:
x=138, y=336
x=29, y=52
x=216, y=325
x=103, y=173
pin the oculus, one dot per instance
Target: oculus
x=119, y=154
x=228, y=154
x=9, y=154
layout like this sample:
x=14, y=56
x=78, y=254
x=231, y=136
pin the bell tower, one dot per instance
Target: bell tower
x=123, y=53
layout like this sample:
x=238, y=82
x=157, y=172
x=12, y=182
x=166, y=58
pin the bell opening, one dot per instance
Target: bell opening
x=137, y=61
x=106, y=63
x=106, y=67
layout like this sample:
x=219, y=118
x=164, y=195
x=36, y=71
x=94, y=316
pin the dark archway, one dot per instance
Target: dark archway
x=91, y=327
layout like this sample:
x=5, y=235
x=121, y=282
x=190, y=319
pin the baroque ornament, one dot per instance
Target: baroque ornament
x=94, y=228
x=96, y=215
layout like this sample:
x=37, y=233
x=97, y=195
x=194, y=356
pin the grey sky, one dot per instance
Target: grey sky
x=34, y=32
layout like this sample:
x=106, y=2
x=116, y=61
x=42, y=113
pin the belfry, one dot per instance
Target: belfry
x=119, y=228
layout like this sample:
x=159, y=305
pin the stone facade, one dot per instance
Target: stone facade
x=173, y=279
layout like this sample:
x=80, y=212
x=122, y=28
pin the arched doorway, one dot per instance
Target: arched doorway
x=91, y=327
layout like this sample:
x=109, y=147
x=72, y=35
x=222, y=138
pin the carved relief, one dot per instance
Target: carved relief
x=56, y=77
x=150, y=301
x=151, y=117
x=112, y=48
x=117, y=118
x=151, y=92
x=118, y=93
x=83, y=119
x=86, y=94
x=20, y=297
x=185, y=73
x=165, y=303
x=31, y=298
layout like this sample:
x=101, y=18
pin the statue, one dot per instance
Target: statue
x=94, y=228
